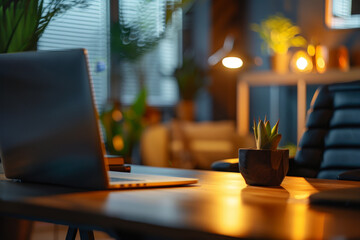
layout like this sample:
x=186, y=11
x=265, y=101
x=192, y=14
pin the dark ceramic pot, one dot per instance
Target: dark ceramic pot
x=263, y=167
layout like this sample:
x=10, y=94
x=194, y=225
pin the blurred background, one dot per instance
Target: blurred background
x=164, y=96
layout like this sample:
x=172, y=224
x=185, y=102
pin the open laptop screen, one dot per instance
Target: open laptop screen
x=48, y=121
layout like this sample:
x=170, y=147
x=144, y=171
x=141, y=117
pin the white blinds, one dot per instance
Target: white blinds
x=342, y=17
x=84, y=28
x=341, y=8
x=147, y=19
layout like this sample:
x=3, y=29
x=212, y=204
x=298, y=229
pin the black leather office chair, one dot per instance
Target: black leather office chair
x=330, y=147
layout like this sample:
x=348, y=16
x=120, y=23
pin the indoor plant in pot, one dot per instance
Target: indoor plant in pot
x=266, y=165
x=279, y=34
x=190, y=79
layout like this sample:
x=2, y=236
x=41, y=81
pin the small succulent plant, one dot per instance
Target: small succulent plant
x=265, y=136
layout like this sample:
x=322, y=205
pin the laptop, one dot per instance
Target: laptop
x=49, y=126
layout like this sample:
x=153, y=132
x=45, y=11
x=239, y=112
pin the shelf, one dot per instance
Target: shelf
x=301, y=80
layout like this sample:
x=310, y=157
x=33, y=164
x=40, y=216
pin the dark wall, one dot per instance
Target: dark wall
x=196, y=44
x=228, y=17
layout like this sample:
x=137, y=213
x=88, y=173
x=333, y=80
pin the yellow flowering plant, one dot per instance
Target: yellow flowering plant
x=279, y=34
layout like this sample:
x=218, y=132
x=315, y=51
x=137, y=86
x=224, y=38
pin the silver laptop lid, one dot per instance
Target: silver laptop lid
x=49, y=129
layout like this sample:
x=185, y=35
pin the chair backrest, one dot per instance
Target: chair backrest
x=331, y=143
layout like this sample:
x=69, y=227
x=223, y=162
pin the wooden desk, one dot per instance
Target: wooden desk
x=220, y=206
x=301, y=80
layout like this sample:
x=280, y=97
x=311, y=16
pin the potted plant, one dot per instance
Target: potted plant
x=279, y=34
x=123, y=126
x=267, y=165
x=190, y=79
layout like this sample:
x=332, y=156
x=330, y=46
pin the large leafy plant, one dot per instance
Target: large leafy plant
x=22, y=22
x=279, y=34
x=131, y=41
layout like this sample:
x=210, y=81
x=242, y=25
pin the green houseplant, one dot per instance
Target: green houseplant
x=267, y=165
x=190, y=79
x=127, y=47
x=22, y=22
x=279, y=34
x=123, y=126
x=265, y=136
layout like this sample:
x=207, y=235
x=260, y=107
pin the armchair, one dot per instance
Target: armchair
x=330, y=146
x=191, y=144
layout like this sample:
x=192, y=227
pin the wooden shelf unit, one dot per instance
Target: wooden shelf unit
x=301, y=80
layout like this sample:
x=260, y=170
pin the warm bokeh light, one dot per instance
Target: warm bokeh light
x=232, y=62
x=116, y=115
x=343, y=58
x=258, y=61
x=320, y=62
x=301, y=62
x=320, y=65
x=321, y=58
x=118, y=142
x=311, y=50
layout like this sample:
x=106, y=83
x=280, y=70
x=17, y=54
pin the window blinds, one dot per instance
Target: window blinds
x=342, y=15
x=84, y=28
x=147, y=20
x=90, y=28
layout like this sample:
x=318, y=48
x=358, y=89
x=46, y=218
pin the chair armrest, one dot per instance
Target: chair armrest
x=227, y=165
x=352, y=175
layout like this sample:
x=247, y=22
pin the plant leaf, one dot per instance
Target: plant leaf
x=255, y=130
x=263, y=139
x=268, y=128
x=275, y=129
x=265, y=136
x=275, y=141
x=140, y=103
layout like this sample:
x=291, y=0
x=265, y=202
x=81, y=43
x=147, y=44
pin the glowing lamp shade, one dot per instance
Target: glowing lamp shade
x=301, y=62
x=232, y=62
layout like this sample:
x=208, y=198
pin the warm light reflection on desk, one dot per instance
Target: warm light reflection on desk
x=227, y=206
x=300, y=224
x=303, y=191
x=221, y=205
x=230, y=212
x=299, y=211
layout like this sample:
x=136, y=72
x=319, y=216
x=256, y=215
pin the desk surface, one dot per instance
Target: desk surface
x=220, y=205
